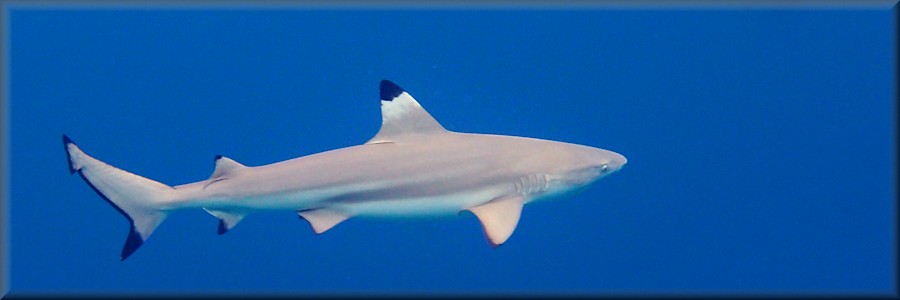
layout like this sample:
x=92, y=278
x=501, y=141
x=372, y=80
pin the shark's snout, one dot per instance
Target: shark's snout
x=620, y=161
x=609, y=161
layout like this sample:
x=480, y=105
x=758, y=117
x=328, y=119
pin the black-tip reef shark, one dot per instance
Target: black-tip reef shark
x=413, y=166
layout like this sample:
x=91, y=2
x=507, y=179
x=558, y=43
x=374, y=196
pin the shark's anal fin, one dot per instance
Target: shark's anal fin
x=322, y=219
x=225, y=167
x=402, y=116
x=227, y=219
x=499, y=218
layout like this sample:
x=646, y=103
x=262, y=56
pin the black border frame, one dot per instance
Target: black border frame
x=7, y=5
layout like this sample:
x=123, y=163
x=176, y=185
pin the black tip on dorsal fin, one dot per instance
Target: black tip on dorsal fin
x=133, y=242
x=390, y=90
x=66, y=142
x=217, y=157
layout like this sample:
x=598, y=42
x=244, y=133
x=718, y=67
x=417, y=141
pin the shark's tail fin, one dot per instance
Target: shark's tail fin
x=141, y=200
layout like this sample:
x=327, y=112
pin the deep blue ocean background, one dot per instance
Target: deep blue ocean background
x=760, y=142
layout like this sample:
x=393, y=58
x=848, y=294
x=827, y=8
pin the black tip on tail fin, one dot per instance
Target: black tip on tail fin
x=138, y=199
x=222, y=228
x=133, y=242
x=66, y=142
x=390, y=90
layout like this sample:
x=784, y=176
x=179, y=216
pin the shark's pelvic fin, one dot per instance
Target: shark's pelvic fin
x=322, y=219
x=225, y=167
x=499, y=218
x=142, y=201
x=402, y=116
x=227, y=219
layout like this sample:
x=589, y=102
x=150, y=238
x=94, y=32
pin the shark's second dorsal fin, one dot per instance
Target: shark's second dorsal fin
x=402, y=116
x=224, y=167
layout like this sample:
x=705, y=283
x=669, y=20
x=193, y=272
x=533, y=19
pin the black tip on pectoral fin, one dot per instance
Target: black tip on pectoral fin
x=390, y=90
x=133, y=242
x=222, y=228
x=66, y=142
x=219, y=156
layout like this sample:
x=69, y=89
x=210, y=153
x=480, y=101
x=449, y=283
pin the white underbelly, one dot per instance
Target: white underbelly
x=446, y=204
x=383, y=202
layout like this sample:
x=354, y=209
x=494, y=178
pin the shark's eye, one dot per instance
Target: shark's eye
x=604, y=167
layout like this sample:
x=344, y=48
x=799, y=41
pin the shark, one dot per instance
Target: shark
x=413, y=166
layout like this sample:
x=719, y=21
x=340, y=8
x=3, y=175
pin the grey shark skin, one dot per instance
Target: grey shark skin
x=413, y=166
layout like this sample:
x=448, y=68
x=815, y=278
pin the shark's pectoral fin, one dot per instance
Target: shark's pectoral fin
x=227, y=219
x=499, y=218
x=322, y=219
x=225, y=167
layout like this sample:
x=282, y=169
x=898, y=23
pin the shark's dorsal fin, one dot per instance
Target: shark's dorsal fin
x=402, y=116
x=499, y=218
x=224, y=167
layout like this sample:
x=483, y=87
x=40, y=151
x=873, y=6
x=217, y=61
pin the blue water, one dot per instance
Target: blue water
x=760, y=143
